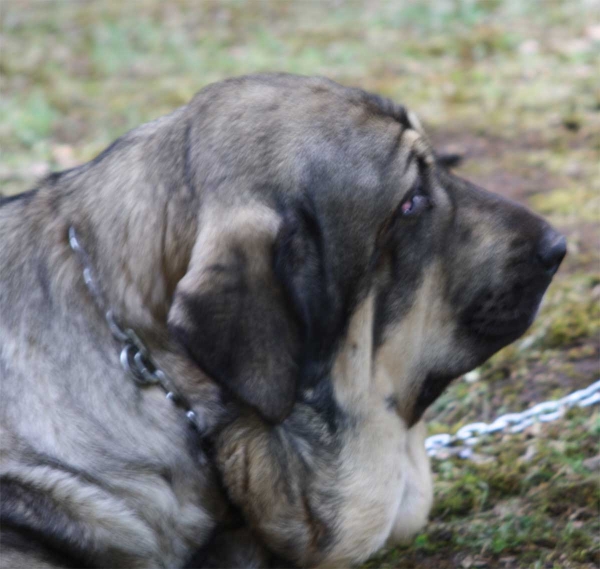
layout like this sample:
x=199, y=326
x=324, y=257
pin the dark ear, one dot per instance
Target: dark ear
x=449, y=160
x=301, y=267
x=236, y=315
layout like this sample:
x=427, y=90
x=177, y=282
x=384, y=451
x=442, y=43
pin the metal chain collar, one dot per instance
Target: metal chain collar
x=545, y=412
x=135, y=357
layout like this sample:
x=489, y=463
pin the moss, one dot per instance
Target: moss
x=578, y=201
x=504, y=481
x=462, y=496
x=576, y=320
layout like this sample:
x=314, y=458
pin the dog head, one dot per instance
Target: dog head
x=317, y=199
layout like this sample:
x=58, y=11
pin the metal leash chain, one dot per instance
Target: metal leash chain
x=135, y=357
x=545, y=412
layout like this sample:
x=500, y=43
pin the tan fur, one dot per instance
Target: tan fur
x=423, y=337
x=382, y=475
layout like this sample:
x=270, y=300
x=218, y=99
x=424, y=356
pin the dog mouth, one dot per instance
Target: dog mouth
x=504, y=315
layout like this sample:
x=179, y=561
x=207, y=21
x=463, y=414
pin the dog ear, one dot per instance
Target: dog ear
x=242, y=308
x=449, y=160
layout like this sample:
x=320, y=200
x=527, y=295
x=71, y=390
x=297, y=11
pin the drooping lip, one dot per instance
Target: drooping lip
x=510, y=329
x=506, y=326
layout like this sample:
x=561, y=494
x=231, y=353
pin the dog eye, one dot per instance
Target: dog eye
x=413, y=206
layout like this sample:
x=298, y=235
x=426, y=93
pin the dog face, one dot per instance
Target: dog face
x=464, y=275
x=317, y=197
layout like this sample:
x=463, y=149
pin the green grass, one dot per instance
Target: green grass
x=513, y=84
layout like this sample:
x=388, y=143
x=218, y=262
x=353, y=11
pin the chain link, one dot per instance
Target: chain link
x=135, y=357
x=545, y=412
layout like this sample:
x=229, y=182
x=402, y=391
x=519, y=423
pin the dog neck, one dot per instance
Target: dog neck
x=138, y=233
x=137, y=227
x=135, y=357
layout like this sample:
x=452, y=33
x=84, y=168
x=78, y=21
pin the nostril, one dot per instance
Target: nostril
x=552, y=251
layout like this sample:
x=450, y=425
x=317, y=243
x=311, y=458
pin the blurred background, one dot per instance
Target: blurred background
x=512, y=85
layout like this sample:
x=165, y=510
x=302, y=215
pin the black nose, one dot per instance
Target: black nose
x=552, y=250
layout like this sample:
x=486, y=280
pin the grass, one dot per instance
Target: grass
x=512, y=84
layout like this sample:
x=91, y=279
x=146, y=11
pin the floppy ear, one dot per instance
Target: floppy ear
x=237, y=316
x=449, y=160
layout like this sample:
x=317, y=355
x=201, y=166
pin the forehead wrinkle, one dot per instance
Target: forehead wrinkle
x=412, y=147
x=420, y=147
x=442, y=198
x=428, y=154
x=408, y=177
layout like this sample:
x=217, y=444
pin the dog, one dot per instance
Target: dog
x=295, y=267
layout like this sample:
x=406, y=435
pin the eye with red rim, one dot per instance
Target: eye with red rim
x=411, y=207
x=414, y=205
